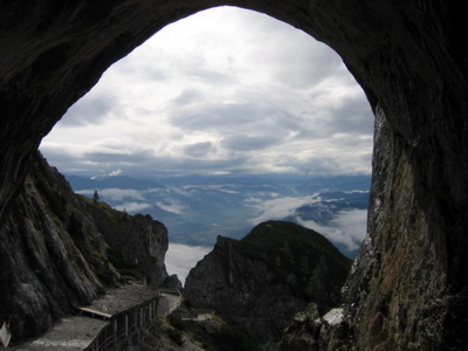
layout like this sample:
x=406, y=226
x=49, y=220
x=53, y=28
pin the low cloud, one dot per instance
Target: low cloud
x=276, y=208
x=115, y=194
x=115, y=173
x=173, y=207
x=348, y=228
x=180, y=259
x=133, y=207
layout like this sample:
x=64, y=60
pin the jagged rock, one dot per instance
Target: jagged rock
x=54, y=258
x=410, y=286
x=141, y=239
x=304, y=331
x=243, y=289
x=309, y=331
x=263, y=280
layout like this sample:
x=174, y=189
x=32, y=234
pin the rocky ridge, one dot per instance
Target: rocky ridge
x=56, y=256
x=256, y=280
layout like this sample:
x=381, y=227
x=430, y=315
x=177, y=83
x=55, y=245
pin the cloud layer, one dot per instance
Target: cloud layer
x=225, y=90
x=348, y=227
x=180, y=259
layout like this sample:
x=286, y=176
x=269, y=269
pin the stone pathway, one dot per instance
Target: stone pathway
x=76, y=333
x=70, y=334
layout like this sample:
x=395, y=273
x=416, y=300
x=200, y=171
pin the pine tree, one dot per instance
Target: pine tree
x=95, y=196
x=286, y=251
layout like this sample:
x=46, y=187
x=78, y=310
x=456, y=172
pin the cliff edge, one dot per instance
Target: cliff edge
x=263, y=280
x=60, y=250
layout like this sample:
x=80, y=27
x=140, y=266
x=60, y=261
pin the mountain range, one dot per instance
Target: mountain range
x=196, y=209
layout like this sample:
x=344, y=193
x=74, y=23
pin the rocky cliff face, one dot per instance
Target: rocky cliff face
x=410, y=287
x=267, y=277
x=243, y=289
x=55, y=257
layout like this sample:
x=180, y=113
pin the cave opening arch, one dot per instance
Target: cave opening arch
x=271, y=101
x=406, y=57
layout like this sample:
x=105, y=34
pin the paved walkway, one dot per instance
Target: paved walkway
x=70, y=334
x=169, y=301
x=121, y=299
x=75, y=333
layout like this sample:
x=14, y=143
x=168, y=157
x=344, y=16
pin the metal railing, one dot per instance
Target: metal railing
x=123, y=327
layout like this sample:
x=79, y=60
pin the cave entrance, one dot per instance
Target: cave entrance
x=224, y=97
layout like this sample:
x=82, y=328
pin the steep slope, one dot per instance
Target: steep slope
x=268, y=276
x=55, y=254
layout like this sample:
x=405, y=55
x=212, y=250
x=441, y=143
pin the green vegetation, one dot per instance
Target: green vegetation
x=310, y=264
x=121, y=263
x=81, y=217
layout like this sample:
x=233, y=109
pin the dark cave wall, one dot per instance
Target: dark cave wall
x=409, y=284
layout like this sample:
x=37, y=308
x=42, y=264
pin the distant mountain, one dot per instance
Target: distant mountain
x=196, y=208
x=325, y=210
x=216, y=180
x=335, y=183
x=120, y=182
x=264, y=279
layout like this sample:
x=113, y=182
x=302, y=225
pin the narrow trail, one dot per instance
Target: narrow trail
x=109, y=322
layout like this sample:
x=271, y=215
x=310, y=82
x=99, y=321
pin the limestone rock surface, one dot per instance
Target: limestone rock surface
x=54, y=256
x=263, y=280
x=243, y=289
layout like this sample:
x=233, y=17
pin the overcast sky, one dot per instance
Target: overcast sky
x=223, y=91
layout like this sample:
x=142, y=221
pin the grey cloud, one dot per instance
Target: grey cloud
x=64, y=160
x=197, y=165
x=143, y=70
x=299, y=63
x=230, y=119
x=354, y=115
x=154, y=74
x=248, y=143
x=267, y=111
x=137, y=163
x=197, y=67
x=216, y=116
x=90, y=110
x=187, y=97
x=117, y=158
x=287, y=121
x=297, y=71
x=199, y=149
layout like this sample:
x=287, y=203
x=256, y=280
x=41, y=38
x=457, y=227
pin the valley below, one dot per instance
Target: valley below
x=196, y=209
